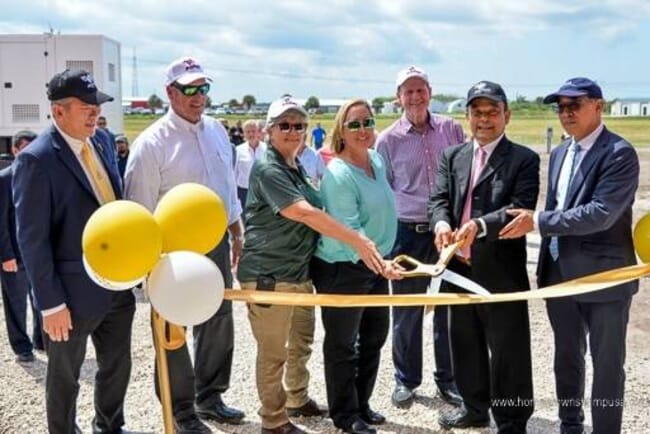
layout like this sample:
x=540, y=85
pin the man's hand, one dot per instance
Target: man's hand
x=10, y=266
x=444, y=237
x=58, y=325
x=519, y=226
x=236, y=250
x=467, y=233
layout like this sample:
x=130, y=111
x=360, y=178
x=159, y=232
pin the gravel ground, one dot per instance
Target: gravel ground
x=22, y=408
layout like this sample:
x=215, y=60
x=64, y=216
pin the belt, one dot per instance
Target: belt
x=418, y=228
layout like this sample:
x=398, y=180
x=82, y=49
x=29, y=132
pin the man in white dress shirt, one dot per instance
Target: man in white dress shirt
x=248, y=153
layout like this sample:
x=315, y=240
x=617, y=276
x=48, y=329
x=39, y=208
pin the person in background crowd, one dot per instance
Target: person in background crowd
x=411, y=147
x=248, y=153
x=15, y=286
x=236, y=134
x=356, y=193
x=283, y=220
x=318, y=135
x=59, y=181
x=586, y=227
x=122, y=144
x=182, y=146
x=311, y=162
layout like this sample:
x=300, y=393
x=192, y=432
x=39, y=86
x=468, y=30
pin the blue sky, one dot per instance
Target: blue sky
x=349, y=48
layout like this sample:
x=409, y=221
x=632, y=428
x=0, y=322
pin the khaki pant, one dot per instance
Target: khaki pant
x=284, y=335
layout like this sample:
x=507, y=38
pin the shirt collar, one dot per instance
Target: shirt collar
x=405, y=124
x=587, y=142
x=489, y=148
x=178, y=121
x=74, y=144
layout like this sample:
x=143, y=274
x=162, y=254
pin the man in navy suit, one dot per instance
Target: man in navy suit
x=586, y=228
x=64, y=176
x=15, y=286
x=475, y=185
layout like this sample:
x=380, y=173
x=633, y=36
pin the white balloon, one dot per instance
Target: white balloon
x=109, y=284
x=186, y=288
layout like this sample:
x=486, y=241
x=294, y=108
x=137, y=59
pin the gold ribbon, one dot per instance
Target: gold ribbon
x=582, y=285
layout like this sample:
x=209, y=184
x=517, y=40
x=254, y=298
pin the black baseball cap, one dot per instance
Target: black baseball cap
x=76, y=83
x=486, y=89
x=574, y=88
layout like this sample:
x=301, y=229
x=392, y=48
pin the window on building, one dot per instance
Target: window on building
x=111, y=72
x=25, y=113
x=86, y=65
x=624, y=110
x=644, y=110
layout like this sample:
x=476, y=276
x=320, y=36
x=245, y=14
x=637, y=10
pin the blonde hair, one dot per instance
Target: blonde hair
x=337, y=144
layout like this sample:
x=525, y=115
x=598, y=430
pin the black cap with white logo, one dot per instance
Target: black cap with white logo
x=76, y=83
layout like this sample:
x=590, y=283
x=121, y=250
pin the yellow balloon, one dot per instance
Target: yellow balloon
x=192, y=218
x=642, y=238
x=122, y=241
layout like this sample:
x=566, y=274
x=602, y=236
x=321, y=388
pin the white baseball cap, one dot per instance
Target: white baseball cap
x=283, y=105
x=184, y=71
x=410, y=72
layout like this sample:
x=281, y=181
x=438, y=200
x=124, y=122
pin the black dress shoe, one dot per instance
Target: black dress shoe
x=402, y=396
x=220, y=412
x=360, y=427
x=310, y=409
x=287, y=428
x=461, y=418
x=191, y=425
x=450, y=395
x=372, y=417
x=27, y=357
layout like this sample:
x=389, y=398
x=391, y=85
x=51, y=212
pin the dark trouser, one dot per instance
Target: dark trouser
x=242, y=194
x=407, y=321
x=15, y=290
x=213, y=352
x=606, y=325
x=353, y=338
x=492, y=362
x=111, y=336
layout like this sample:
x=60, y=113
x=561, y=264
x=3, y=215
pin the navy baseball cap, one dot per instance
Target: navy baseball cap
x=486, y=89
x=76, y=83
x=575, y=87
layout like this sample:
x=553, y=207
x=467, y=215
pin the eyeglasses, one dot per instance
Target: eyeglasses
x=356, y=125
x=484, y=114
x=569, y=107
x=285, y=127
x=191, y=90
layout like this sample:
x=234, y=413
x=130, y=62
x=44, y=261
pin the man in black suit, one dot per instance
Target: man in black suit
x=59, y=181
x=476, y=183
x=15, y=286
x=586, y=228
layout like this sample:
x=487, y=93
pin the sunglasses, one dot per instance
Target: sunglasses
x=191, y=90
x=356, y=125
x=569, y=107
x=285, y=127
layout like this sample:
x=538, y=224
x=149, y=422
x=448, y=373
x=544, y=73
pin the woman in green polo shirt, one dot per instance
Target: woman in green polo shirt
x=355, y=192
x=283, y=222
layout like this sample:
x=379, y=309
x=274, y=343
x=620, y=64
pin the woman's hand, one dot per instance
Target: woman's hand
x=392, y=270
x=368, y=253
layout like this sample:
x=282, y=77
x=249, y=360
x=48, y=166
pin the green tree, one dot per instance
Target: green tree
x=208, y=102
x=312, y=102
x=154, y=102
x=248, y=101
x=233, y=103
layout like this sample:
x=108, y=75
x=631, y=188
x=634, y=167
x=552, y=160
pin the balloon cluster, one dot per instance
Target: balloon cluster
x=124, y=244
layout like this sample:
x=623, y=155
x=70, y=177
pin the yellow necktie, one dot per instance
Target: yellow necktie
x=99, y=177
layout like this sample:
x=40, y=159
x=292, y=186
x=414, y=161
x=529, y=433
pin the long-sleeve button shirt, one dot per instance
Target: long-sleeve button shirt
x=173, y=151
x=246, y=156
x=412, y=161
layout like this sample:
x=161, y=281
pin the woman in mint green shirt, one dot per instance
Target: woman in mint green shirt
x=355, y=192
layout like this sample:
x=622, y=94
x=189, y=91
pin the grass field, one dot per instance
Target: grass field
x=523, y=129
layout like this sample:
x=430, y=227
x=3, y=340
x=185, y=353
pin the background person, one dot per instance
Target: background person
x=586, y=227
x=411, y=147
x=59, y=181
x=318, y=135
x=283, y=219
x=15, y=286
x=122, y=144
x=248, y=153
x=476, y=183
x=356, y=193
x=183, y=146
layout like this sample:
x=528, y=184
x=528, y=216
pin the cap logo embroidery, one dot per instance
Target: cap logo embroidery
x=88, y=79
x=482, y=87
x=190, y=65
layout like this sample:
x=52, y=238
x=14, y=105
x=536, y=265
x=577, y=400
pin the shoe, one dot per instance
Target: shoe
x=310, y=409
x=191, y=425
x=360, y=427
x=221, y=413
x=287, y=428
x=372, y=417
x=402, y=396
x=450, y=395
x=27, y=357
x=461, y=418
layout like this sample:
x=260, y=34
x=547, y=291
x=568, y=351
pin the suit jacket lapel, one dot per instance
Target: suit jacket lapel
x=591, y=156
x=497, y=158
x=463, y=173
x=557, y=167
x=70, y=160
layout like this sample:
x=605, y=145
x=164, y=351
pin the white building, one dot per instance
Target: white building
x=27, y=62
x=631, y=107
